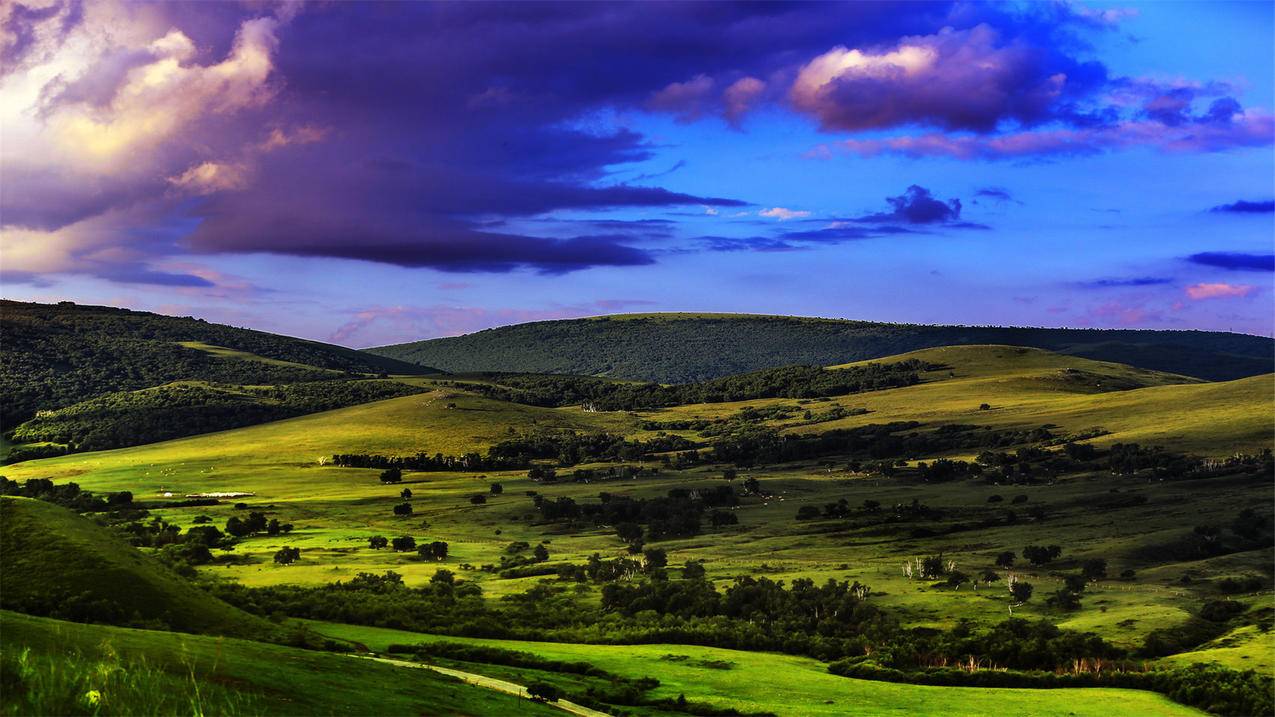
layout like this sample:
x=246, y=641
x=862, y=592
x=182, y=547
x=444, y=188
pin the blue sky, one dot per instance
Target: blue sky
x=459, y=167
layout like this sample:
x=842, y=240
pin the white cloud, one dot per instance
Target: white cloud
x=782, y=213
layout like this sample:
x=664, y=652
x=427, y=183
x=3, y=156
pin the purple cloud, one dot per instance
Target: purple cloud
x=1234, y=261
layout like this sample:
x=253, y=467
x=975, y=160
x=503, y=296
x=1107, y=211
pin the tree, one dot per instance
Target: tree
x=629, y=532
x=1005, y=559
x=752, y=486
x=406, y=494
x=478, y=499
x=541, y=553
x=1064, y=599
x=376, y=542
x=236, y=527
x=403, y=509
x=871, y=506
x=272, y=528
x=1094, y=569
x=543, y=692
x=204, y=535
x=1039, y=554
x=984, y=406
x=730, y=474
x=496, y=488
x=403, y=544
x=720, y=518
x=807, y=512
x=693, y=570
x=391, y=475
x=655, y=558
x=1021, y=591
x=286, y=555
x=443, y=577
x=435, y=551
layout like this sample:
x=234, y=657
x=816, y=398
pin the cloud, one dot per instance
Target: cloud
x=245, y=130
x=740, y=97
x=1201, y=292
x=997, y=194
x=972, y=79
x=1127, y=282
x=918, y=206
x=1234, y=261
x=782, y=214
x=1252, y=129
x=211, y=177
x=687, y=100
x=1245, y=207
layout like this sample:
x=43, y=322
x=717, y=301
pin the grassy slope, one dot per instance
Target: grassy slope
x=51, y=551
x=268, y=679
x=1028, y=388
x=788, y=685
x=689, y=347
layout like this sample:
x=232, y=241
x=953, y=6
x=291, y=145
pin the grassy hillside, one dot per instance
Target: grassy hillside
x=58, y=563
x=51, y=667
x=58, y=355
x=675, y=348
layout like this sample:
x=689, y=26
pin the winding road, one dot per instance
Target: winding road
x=490, y=683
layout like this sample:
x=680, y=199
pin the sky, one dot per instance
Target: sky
x=366, y=173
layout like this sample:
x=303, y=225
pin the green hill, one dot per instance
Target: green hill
x=50, y=667
x=55, y=355
x=60, y=564
x=676, y=348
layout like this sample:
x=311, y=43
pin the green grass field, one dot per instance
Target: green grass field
x=147, y=672
x=787, y=685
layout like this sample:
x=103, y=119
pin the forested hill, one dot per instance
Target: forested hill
x=677, y=348
x=55, y=355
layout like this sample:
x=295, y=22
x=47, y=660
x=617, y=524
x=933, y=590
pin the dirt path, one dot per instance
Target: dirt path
x=491, y=683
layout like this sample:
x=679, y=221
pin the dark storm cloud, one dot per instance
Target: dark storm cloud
x=1234, y=261
x=1245, y=207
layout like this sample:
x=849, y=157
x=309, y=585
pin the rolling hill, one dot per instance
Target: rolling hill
x=58, y=563
x=676, y=348
x=56, y=355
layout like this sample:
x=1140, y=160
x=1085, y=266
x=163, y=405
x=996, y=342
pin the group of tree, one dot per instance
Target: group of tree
x=255, y=522
x=679, y=514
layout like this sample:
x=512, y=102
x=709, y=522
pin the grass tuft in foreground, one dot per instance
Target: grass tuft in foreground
x=75, y=684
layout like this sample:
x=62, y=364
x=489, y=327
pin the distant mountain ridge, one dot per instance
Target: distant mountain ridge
x=675, y=348
x=56, y=355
